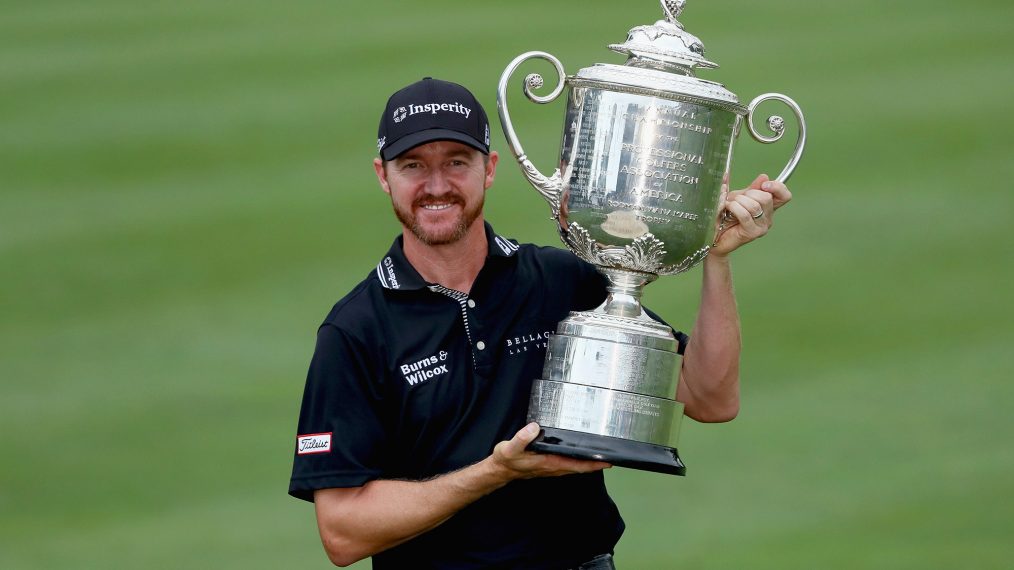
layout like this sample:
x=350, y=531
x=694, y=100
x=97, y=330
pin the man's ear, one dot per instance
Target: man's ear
x=378, y=167
x=491, y=169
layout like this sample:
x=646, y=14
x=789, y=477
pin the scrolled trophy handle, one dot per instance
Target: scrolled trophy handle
x=777, y=126
x=549, y=187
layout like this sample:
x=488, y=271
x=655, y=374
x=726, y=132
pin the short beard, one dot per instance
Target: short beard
x=468, y=217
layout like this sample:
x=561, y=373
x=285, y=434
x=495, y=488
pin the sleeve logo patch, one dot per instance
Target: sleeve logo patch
x=313, y=443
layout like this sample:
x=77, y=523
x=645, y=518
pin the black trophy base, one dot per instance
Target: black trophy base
x=622, y=452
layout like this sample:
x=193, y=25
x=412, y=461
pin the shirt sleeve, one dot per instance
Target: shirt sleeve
x=591, y=286
x=341, y=439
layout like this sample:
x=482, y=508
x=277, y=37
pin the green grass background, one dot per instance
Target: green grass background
x=185, y=189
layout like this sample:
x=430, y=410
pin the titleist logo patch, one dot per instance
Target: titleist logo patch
x=313, y=443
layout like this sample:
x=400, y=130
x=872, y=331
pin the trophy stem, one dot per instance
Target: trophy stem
x=625, y=289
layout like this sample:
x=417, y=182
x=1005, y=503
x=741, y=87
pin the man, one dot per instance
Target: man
x=412, y=431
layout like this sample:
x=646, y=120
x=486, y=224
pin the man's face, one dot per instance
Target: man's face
x=438, y=189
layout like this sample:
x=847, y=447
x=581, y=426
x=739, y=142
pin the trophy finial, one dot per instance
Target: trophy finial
x=665, y=44
x=673, y=9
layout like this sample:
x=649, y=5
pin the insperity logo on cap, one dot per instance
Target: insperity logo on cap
x=431, y=110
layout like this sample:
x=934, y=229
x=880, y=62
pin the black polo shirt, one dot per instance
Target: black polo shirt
x=410, y=380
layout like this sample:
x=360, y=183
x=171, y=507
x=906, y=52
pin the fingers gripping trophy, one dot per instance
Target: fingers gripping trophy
x=646, y=148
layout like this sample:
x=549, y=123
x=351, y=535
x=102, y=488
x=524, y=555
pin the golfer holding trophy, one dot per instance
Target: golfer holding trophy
x=644, y=164
x=411, y=441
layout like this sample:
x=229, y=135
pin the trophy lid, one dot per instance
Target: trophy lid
x=661, y=59
x=666, y=44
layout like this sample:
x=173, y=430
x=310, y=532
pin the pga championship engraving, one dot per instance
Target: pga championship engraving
x=646, y=147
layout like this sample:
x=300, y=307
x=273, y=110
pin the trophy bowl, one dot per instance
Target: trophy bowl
x=646, y=149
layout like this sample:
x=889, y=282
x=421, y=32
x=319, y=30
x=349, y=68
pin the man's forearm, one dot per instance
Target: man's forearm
x=356, y=523
x=359, y=522
x=709, y=378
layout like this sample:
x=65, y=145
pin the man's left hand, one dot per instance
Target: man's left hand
x=749, y=213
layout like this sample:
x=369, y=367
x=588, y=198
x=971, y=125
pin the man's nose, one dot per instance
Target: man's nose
x=437, y=182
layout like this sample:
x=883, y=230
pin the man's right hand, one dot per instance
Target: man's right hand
x=520, y=464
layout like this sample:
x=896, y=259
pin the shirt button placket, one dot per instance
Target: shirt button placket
x=480, y=346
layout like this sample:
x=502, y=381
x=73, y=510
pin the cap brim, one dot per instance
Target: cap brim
x=408, y=142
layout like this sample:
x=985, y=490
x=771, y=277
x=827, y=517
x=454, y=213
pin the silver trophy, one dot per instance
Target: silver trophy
x=646, y=147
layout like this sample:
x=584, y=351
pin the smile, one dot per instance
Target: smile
x=437, y=206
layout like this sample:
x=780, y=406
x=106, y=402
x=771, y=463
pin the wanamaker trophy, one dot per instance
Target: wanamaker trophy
x=646, y=147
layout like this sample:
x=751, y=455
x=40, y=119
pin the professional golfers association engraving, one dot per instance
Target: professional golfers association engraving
x=646, y=147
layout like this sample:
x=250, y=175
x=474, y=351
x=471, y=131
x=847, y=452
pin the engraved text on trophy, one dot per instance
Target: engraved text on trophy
x=634, y=164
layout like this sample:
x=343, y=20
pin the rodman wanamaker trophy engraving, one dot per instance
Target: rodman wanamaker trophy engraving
x=646, y=146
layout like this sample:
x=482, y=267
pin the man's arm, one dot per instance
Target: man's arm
x=358, y=522
x=709, y=377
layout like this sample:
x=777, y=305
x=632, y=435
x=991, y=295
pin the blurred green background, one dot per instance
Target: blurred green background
x=185, y=190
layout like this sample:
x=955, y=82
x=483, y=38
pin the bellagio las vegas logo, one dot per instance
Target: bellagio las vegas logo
x=526, y=342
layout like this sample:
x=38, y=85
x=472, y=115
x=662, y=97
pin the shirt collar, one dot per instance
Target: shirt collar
x=395, y=272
